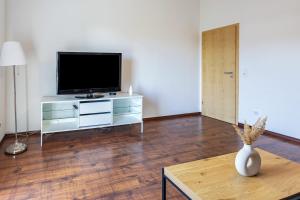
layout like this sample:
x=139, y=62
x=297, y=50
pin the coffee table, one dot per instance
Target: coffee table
x=216, y=178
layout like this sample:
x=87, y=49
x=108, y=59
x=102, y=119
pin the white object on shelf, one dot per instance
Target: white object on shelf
x=67, y=113
x=130, y=90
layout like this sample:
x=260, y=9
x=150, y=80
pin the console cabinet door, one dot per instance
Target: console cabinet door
x=95, y=107
x=95, y=120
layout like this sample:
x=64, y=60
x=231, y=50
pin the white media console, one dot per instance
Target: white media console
x=67, y=113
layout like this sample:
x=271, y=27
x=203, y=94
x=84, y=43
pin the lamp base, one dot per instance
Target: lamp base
x=16, y=148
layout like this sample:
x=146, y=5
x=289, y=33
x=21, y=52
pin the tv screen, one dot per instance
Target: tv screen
x=79, y=72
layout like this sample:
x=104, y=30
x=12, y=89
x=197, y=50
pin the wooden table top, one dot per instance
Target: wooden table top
x=217, y=178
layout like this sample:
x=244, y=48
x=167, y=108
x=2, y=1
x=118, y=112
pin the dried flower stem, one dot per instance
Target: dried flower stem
x=250, y=134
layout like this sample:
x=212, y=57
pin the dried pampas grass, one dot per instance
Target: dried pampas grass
x=250, y=134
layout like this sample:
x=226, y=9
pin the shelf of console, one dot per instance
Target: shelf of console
x=66, y=113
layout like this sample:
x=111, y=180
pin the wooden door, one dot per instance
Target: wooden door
x=220, y=73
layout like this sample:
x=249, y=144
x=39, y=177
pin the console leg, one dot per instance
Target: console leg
x=142, y=127
x=41, y=139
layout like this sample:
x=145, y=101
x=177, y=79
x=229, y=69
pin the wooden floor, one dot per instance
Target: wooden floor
x=118, y=163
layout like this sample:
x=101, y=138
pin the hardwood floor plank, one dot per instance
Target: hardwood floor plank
x=118, y=163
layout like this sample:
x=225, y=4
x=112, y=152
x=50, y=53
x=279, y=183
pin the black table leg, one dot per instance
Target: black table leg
x=163, y=192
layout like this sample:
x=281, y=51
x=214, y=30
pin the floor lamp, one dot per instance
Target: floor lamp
x=12, y=55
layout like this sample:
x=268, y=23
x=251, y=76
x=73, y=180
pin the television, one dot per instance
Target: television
x=87, y=73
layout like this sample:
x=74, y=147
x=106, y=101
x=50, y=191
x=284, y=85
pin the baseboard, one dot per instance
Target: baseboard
x=172, y=116
x=2, y=139
x=23, y=132
x=12, y=135
x=241, y=125
x=278, y=135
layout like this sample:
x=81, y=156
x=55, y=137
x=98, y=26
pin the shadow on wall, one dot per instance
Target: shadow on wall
x=127, y=75
x=28, y=47
x=150, y=98
x=150, y=107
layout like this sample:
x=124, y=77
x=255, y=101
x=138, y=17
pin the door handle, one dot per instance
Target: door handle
x=229, y=73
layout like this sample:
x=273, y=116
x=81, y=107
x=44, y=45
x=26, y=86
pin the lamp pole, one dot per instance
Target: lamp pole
x=12, y=55
x=17, y=147
x=15, y=103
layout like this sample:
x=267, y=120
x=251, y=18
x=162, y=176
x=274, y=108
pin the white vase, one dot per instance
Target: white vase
x=130, y=90
x=247, y=161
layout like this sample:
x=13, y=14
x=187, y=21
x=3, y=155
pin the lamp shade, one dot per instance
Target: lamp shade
x=12, y=54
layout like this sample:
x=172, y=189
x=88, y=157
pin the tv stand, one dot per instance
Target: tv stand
x=90, y=96
x=68, y=113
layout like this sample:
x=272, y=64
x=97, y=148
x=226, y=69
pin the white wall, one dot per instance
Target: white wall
x=269, y=57
x=159, y=40
x=2, y=71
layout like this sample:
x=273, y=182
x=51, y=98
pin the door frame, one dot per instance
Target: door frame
x=237, y=66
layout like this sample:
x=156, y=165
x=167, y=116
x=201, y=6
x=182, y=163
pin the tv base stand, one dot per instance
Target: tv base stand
x=68, y=113
x=90, y=96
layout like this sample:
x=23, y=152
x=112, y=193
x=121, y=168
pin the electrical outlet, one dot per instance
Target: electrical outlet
x=256, y=112
x=245, y=72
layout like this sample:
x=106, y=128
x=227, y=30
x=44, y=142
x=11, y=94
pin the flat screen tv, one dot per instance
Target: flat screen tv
x=86, y=73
